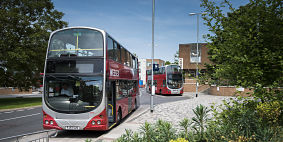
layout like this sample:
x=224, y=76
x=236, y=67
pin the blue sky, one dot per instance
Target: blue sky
x=129, y=22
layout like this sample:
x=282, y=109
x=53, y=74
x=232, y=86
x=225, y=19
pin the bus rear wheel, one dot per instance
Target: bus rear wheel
x=119, y=116
x=136, y=105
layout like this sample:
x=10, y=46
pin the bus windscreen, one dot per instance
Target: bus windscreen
x=73, y=94
x=76, y=42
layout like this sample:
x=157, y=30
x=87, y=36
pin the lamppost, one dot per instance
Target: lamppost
x=191, y=14
x=152, y=55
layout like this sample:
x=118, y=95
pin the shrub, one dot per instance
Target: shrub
x=185, y=124
x=199, y=121
x=238, y=120
x=269, y=111
x=164, y=131
x=129, y=136
x=161, y=131
x=179, y=140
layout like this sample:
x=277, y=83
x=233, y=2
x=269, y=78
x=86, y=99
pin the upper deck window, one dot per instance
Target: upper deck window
x=76, y=42
x=173, y=69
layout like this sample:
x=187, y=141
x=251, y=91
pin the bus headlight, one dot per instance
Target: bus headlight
x=98, y=122
x=93, y=122
x=46, y=122
x=51, y=122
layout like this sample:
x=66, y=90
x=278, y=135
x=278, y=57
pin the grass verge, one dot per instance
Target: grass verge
x=10, y=103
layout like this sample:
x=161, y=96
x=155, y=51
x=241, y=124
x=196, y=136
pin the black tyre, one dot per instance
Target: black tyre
x=136, y=105
x=119, y=116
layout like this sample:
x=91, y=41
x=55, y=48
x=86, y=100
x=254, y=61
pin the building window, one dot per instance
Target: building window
x=194, y=56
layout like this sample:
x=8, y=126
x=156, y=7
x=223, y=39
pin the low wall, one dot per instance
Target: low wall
x=191, y=87
x=228, y=91
x=10, y=90
x=190, y=80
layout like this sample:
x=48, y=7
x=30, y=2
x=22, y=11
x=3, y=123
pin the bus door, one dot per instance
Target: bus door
x=111, y=102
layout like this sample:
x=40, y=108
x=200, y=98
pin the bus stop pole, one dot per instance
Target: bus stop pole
x=152, y=55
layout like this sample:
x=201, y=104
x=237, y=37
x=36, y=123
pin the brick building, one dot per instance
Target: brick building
x=155, y=61
x=145, y=64
x=188, y=57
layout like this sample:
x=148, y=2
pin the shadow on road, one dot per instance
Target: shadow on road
x=79, y=134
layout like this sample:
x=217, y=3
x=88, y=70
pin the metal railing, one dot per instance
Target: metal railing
x=45, y=138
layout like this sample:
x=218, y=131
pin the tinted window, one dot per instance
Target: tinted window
x=128, y=63
x=134, y=62
x=110, y=49
x=73, y=94
x=124, y=56
x=125, y=88
x=173, y=68
x=76, y=42
x=75, y=66
x=118, y=52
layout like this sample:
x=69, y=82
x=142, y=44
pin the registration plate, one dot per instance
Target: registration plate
x=72, y=127
x=175, y=92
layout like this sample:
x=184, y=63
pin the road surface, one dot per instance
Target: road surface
x=28, y=120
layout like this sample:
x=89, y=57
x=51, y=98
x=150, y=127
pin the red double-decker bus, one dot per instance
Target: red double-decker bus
x=168, y=80
x=90, y=80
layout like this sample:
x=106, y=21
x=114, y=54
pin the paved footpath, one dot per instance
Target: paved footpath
x=33, y=94
x=173, y=112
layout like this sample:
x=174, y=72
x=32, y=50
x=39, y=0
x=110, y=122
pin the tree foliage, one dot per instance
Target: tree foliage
x=176, y=58
x=25, y=29
x=167, y=63
x=246, y=43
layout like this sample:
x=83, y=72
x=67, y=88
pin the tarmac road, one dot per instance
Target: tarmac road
x=28, y=120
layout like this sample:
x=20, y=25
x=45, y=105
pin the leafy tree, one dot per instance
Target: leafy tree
x=246, y=44
x=25, y=29
x=167, y=63
x=135, y=55
x=176, y=57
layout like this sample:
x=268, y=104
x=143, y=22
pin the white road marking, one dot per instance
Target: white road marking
x=21, y=110
x=19, y=117
x=30, y=108
x=8, y=111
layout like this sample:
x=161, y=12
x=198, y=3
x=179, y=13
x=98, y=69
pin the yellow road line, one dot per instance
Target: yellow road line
x=74, y=49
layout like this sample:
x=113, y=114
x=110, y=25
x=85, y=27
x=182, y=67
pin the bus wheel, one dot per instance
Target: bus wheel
x=119, y=116
x=136, y=105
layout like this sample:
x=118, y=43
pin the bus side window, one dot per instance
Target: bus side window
x=133, y=62
x=111, y=49
x=119, y=92
x=124, y=88
x=136, y=63
x=124, y=56
x=130, y=60
x=118, y=52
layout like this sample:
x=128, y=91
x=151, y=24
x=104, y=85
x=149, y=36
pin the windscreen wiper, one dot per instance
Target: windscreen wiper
x=74, y=77
x=68, y=55
x=52, y=76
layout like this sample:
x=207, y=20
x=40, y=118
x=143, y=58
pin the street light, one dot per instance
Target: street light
x=152, y=55
x=191, y=14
